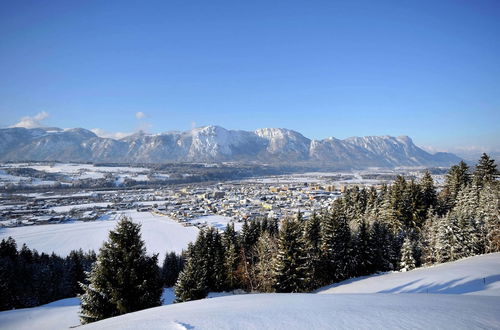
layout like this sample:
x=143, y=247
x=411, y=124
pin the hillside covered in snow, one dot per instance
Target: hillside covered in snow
x=215, y=144
x=458, y=295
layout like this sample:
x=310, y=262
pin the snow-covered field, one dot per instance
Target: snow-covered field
x=160, y=233
x=462, y=304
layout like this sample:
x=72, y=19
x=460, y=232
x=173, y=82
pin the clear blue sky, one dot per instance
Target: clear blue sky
x=427, y=69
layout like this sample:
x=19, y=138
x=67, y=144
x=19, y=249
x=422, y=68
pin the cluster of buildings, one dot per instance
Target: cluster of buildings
x=238, y=201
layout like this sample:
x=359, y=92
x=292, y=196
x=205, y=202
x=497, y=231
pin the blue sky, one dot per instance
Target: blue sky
x=427, y=69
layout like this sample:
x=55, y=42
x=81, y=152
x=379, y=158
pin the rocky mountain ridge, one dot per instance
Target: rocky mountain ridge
x=215, y=144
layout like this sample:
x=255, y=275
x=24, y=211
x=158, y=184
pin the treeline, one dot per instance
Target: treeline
x=29, y=278
x=398, y=227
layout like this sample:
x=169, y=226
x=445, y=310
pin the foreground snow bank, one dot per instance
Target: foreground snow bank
x=312, y=311
x=475, y=275
x=61, y=314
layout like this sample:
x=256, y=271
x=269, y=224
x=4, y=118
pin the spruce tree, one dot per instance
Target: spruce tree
x=289, y=270
x=407, y=261
x=266, y=250
x=429, y=196
x=489, y=213
x=231, y=256
x=363, y=250
x=124, y=279
x=172, y=266
x=457, y=178
x=486, y=171
x=312, y=241
x=444, y=240
x=192, y=281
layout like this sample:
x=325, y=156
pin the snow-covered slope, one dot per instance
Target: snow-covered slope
x=468, y=303
x=214, y=144
x=479, y=275
x=160, y=234
x=309, y=311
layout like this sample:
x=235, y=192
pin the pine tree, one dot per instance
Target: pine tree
x=289, y=270
x=407, y=261
x=124, y=279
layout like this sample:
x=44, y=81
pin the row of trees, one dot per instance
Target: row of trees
x=398, y=227
x=29, y=278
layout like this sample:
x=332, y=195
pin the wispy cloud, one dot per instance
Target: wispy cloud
x=140, y=115
x=32, y=122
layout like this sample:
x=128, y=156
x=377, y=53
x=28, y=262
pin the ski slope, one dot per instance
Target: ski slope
x=458, y=299
x=160, y=234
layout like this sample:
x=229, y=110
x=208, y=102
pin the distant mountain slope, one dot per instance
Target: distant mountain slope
x=215, y=144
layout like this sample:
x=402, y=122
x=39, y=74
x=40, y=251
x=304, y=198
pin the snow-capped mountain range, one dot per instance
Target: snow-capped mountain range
x=215, y=144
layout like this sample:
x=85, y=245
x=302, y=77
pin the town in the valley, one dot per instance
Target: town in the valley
x=47, y=193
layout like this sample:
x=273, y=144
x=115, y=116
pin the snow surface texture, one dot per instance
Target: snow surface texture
x=160, y=234
x=310, y=311
x=466, y=305
x=478, y=275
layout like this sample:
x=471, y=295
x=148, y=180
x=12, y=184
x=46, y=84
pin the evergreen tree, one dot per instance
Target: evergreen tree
x=289, y=270
x=429, y=195
x=231, y=257
x=192, y=281
x=363, y=250
x=172, y=266
x=8, y=261
x=312, y=241
x=456, y=179
x=381, y=240
x=489, y=213
x=124, y=279
x=429, y=233
x=486, y=171
x=407, y=261
x=266, y=250
x=336, y=248
x=444, y=240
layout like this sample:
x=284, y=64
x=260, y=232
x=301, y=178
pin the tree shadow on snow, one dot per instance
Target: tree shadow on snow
x=450, y=287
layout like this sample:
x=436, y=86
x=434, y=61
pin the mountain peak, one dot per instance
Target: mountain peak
x=214, y=144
